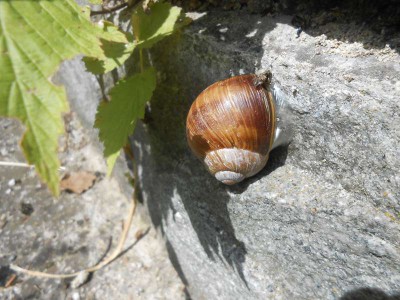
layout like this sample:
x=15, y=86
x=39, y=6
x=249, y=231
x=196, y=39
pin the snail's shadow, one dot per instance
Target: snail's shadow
x=276, y=160
x=209, y=216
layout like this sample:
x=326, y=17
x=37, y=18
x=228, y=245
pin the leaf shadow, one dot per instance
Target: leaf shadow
x=113, y=49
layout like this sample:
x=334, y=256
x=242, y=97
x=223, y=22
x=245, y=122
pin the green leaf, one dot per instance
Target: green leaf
x=116, y=119
x=35, y=37
x=96, y=1
x=151, y=27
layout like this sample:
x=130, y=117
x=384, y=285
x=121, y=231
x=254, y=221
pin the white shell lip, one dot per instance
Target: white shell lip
x=229, y=177
x=284, y=128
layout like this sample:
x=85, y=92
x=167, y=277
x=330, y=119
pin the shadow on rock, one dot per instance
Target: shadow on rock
x=375, y=24
x=276, y=159
x=5, y=275
x=369, y=294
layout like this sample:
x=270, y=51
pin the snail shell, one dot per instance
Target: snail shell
x=232, y=126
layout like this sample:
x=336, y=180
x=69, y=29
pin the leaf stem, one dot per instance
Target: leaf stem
x=141, y=60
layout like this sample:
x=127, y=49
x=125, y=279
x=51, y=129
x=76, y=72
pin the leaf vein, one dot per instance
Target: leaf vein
x=37, y=32
x=73, y=37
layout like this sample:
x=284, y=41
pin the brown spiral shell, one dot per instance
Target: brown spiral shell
x=231, y=127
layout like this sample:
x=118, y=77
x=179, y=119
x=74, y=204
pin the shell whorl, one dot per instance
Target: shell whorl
x=232, y=165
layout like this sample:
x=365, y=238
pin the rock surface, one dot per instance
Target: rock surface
x=322, y=220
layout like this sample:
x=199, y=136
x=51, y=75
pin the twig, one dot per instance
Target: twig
x=115, y=8
x=20, y=164
x=109, y=10
x=109, y=259
x=15, y=164
x=10, y=281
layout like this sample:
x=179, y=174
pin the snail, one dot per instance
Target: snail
x=234, y=124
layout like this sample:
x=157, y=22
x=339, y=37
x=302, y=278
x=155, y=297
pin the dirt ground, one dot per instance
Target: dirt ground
x=74, y=232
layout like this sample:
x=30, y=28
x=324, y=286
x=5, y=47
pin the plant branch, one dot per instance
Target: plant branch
x=115, y=8
x=24, y=165
x=109, y=10
x=141, y=60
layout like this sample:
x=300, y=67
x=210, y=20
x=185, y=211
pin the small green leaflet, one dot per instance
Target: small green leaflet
x=35, y=37
x=160, y=22
x=116, y=119
x=149, y=28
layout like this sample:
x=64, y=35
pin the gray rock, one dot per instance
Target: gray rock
x=321, y=221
